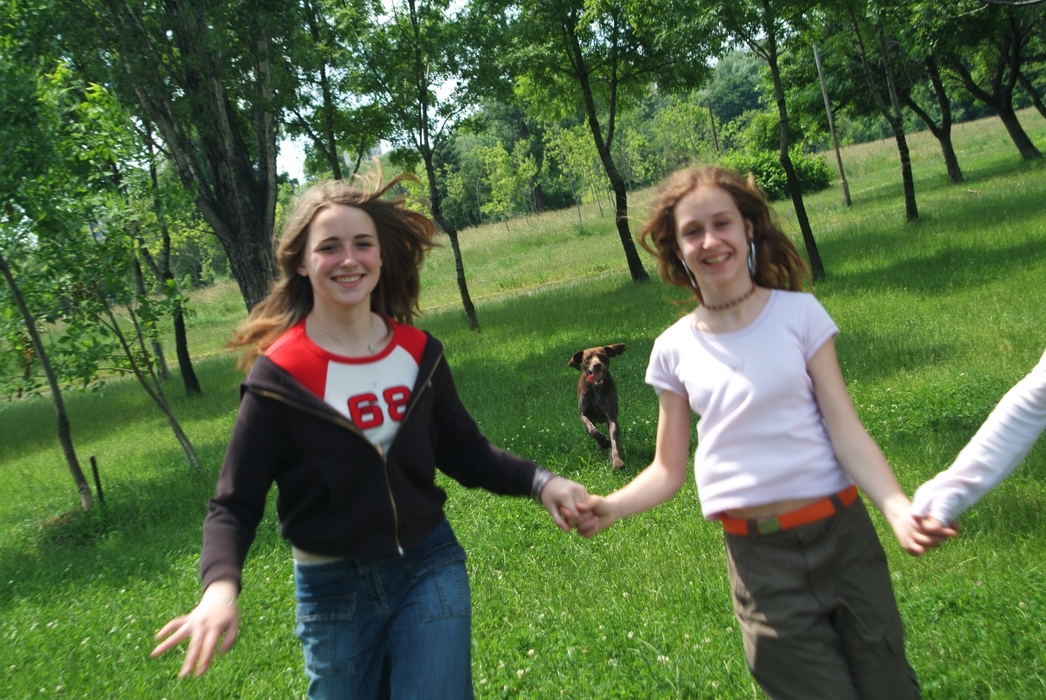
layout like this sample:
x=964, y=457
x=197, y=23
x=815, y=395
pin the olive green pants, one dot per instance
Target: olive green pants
x=817, y=612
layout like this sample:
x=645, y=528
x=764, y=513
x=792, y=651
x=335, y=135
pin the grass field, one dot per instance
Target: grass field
x=938, y=318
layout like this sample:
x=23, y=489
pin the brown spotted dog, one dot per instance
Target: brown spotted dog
x=597, y=396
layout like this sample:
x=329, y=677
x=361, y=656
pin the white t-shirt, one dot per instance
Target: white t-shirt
x=998, y=447
x=760, y=435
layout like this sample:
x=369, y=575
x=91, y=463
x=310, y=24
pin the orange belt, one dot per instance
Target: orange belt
x=819, y=510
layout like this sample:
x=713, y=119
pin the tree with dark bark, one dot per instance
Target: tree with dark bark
x=762, y=24
x=911, y=52
x=941, y=131
x=1033, y=93
x=892, y=110
x=339, y=130
x=567, y=58
x=410, y=52
x=65, y=438
x=33, y=113
x=988, y=50
x=209, y=76
x=161, y=270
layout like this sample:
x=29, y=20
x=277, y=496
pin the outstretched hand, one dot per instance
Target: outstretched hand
x=561, y=498
x=214, y=618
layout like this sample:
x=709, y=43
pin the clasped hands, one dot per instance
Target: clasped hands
x=573, y=508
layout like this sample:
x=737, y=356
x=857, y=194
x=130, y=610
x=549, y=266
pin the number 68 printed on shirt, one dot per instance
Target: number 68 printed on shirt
x=388, y=375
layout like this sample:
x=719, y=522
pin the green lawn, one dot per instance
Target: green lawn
x=938, y=318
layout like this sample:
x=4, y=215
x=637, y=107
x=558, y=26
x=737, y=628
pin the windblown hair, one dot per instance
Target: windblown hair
x=404, y=236
x=778, y=263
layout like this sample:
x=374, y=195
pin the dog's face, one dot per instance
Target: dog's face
x=595, y=362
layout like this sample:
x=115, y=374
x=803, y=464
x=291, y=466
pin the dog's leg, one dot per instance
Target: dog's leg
x=615, y=452
x=594, y=432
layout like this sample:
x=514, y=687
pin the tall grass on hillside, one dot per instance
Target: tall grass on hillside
x=937, y=318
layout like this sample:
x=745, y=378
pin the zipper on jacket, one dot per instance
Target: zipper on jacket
x=384, y=457
x=338, y=420
x=414, y=399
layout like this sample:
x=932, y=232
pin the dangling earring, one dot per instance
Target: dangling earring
x=751, y=258
x=693, y=282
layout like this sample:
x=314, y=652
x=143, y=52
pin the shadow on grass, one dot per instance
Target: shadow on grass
x=869, y=356
x=129, y=537
x=29, y=425
x=144, y=527
x=959, y=266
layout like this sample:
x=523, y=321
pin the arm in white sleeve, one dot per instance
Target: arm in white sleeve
x=998, y=447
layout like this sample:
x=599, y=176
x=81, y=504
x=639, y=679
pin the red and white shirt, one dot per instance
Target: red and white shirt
x=372, y=392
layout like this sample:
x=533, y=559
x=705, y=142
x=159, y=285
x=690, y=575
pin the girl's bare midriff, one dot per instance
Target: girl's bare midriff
x=769, y=510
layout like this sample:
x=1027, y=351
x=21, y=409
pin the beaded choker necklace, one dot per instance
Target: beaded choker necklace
x=735, y=302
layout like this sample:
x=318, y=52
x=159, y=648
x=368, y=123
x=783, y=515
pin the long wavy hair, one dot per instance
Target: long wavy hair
x=778, y=263
x=404, y=237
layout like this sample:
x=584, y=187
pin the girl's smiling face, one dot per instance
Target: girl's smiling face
x=342, y=258
x=713, y=241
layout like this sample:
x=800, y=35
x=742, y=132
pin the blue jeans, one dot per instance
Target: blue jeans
x=392, y=627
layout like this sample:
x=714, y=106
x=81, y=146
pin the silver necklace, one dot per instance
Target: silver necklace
x=370, y=343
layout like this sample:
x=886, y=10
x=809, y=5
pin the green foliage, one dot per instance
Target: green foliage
x=734, y=86
x=812, y=170
x=510, y=176
x=337, y=127
x=573, y=150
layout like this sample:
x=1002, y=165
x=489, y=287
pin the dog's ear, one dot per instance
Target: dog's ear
x=615, y=349
x=575, y=361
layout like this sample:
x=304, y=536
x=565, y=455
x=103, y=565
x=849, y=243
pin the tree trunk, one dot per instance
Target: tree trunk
x=816, y=266
x=831, y=128
x=1017, y=134
x=435, y=205
x=64, y=433
x=181, y=341
x=910, y=209
x=892, y=115
x=147, y=378
x=162, y=271
x=1030, y=89
x=539, y=199
x=950, y=159
x=181, y=348
x=139, y=288
x=1000, y=95
x=635, y=264
x=328, y=143
x=897, y=122
x=234, y=186
x=943, y=135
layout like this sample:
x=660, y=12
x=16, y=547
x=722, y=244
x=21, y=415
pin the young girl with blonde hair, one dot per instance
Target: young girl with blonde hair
x=350, y=410
x=780, y=449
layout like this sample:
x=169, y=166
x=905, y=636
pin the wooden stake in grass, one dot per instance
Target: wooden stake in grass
x=97, y=481
x=831, y=128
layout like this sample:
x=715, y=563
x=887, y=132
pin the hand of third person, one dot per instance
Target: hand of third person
x=919, y=535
